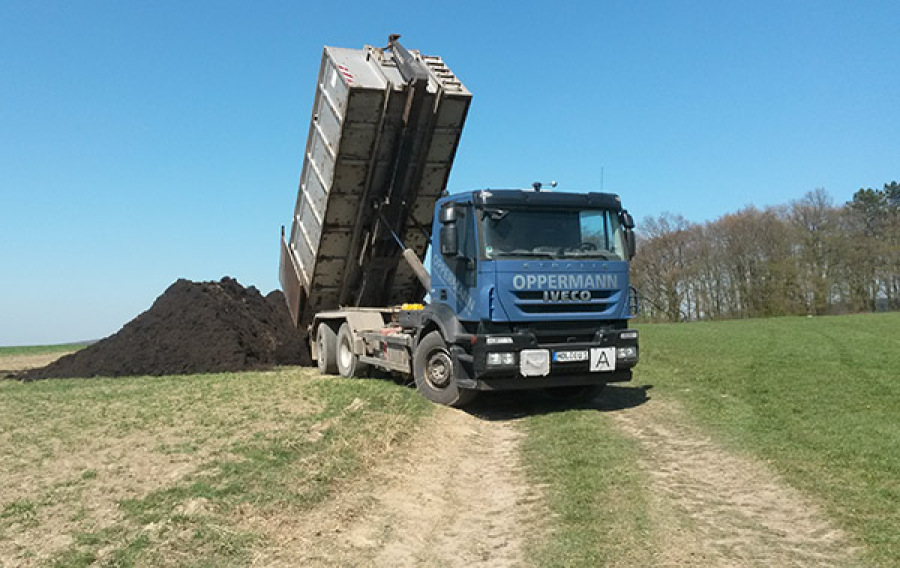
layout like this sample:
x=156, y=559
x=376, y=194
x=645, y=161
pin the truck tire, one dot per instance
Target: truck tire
x=348, y=362
x=326, y=348
x=433, y=372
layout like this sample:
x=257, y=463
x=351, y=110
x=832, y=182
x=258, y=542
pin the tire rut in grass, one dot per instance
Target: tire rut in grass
x=712, y=507
x=454, y=496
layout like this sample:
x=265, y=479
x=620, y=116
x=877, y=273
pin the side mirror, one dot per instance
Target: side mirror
x=627, y=219
x=630, y=243
x=447, y=214
x=449, y=239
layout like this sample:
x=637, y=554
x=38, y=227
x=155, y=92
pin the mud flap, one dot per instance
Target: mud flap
x=462, y=368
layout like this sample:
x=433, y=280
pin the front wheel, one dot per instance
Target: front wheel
x=433, y=372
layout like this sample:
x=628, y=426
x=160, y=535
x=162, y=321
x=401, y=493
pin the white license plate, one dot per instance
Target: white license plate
x=603, y=359
x=569, y=356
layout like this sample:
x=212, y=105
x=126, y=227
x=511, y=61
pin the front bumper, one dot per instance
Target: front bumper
x=475, y=372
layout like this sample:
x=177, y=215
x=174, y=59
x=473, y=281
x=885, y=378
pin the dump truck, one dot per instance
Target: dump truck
x=527, y=288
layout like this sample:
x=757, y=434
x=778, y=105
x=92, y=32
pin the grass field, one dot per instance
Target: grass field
x=200, y=471
x=180, y=471
x=816, y=398
x=595, y=490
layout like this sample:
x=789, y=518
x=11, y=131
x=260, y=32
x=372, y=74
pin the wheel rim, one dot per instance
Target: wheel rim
x=344, y=354
x=438, y=368
x=322, y=360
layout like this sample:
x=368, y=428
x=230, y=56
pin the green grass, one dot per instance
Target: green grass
x=165, y=470
x=818, y=398
x=594, y=489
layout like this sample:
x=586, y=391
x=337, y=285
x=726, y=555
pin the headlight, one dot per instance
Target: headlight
x=630, y=334
x=501, y=359
x=626, y=353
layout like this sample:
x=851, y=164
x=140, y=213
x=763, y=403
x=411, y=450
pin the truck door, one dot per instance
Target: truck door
x=454, y=266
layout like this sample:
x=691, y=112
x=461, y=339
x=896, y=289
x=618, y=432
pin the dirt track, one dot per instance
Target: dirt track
x=458, y=497
x=713, y=508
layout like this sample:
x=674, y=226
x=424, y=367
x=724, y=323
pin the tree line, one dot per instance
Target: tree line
x=807, y=257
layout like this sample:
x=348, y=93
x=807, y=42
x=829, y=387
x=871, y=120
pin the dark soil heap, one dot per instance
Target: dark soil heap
x=193, y=327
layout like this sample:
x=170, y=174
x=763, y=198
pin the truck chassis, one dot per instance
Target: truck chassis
x=449, y=366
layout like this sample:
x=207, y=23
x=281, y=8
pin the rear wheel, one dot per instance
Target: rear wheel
x=433, y=372
x=326, y=349
x=348, y=362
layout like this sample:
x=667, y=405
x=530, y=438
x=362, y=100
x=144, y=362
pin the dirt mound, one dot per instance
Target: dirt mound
x=193, y=327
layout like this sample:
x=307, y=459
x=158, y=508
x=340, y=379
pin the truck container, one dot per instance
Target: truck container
x=384, y=130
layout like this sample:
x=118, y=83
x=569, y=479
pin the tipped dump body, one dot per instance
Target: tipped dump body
x=382, y=138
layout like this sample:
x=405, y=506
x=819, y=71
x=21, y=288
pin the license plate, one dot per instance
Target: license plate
x=569, y=356
x=603, y=359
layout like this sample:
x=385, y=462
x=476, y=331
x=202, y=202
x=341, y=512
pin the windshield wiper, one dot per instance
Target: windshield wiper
x=527, y=253
x=604, y=254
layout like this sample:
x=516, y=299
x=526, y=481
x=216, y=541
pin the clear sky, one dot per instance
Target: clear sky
x=141, y=142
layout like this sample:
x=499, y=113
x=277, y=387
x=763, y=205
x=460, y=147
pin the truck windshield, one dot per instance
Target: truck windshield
x=551, y=233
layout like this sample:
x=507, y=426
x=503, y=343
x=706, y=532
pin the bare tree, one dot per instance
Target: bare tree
x=659, y=268
x=814, y=218
x=806, y=257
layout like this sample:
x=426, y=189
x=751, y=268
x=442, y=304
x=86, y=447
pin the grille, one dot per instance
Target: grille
x=563, y=308
x=532, y=302
x=563, y=332
x=538, y=295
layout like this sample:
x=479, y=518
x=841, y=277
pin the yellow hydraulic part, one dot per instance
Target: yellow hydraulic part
x=412, y=307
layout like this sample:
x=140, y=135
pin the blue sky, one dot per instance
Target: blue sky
x=141, y=142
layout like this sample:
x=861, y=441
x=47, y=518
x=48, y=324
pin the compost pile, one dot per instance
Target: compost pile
x=193, y=327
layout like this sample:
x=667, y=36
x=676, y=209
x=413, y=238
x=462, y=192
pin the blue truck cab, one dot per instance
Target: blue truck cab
x=530, y=289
